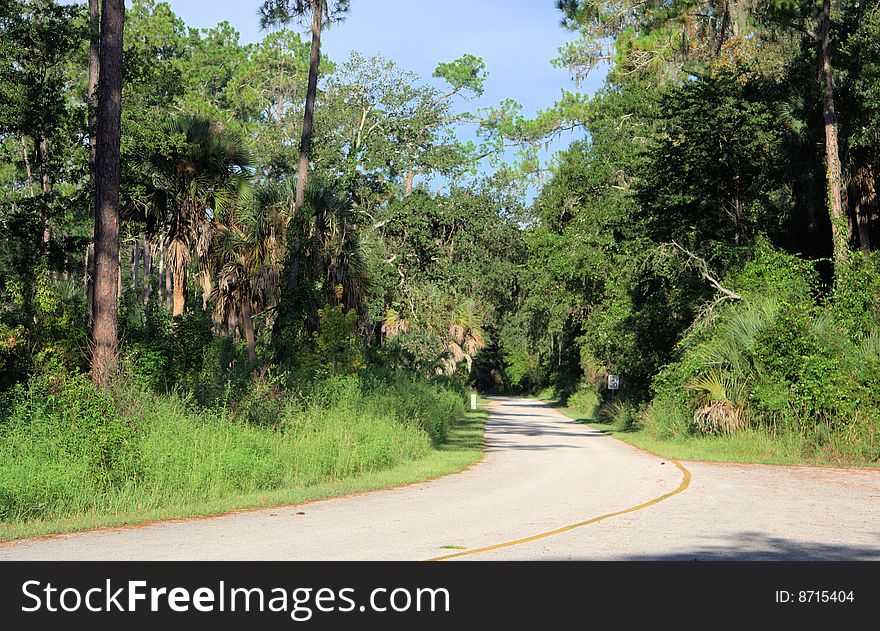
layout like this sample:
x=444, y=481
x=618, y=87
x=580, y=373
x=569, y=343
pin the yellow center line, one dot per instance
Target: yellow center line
x=685, y=482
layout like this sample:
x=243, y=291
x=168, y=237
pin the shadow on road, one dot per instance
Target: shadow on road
x=756, y=546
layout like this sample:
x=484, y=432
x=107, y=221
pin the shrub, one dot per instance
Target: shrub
x=62, y=447
x=585, y=399
x=855, y=301
x=619, y=413
x=66, y=417
x=337, y=348
x=776, y=361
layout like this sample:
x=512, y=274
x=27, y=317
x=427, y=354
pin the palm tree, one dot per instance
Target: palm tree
x=466, y=336
x=245, y=260
x=190, y=185
x=323, y=13
x=337, y=253
x=106, y=237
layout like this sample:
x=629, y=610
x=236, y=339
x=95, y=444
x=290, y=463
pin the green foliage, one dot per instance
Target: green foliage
x=585, y=399
x=57, y=433
x=855, y=299
x=468, y=72
x=66, y=449
x=712, y=171
x=774, y=362
x=337, y=348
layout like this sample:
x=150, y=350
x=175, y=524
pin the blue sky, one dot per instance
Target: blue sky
x=516, y=38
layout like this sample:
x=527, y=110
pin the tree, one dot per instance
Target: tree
x=104, y=327
x=658, y=41
x=245, y=260
x=190, y=184
x=839, y=236
x=813, y=21
x=714, y=171
x=323, y=13
x=267, y=92
x=92, y=99
x=859, y=97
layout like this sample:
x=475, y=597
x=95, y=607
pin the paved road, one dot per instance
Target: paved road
x=542, y=473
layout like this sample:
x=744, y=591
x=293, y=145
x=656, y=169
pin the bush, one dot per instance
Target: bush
x=620, y=414
x=777, y=361
x=62, y=445
x=67, y=418
x=338, y=350
x=585, y=399
x=855, y=301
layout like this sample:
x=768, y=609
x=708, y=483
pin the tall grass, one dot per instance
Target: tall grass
x=67, y=450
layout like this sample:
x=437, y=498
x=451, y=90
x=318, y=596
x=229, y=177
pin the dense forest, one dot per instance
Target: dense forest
x=232, y=267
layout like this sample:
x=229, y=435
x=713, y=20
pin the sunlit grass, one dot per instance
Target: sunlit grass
x=748, y=446
x=197, y=466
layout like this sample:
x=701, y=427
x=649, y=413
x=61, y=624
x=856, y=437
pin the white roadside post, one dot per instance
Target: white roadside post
x=473, y=401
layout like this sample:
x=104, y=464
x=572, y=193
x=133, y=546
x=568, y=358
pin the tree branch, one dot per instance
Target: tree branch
x=703, y=267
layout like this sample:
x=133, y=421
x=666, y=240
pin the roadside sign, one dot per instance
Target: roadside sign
x=614, y=382
x=473, y=401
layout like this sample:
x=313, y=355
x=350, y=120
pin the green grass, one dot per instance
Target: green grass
x=72, y=459
x=745, y=447
x=462, y=449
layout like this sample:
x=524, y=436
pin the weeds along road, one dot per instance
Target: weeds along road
x=549, y=488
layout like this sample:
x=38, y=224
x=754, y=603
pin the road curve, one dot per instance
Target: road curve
x=549, y=488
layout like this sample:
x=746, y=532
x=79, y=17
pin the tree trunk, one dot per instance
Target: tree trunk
x=148, y=269
x=832, y=155
x=408, y=183
x=205, y=281
x=866, y=196
x=135, y=260
x=44, y=167
x=305, y=148
x=104, y=329
x=169, y=286
x=297, y=227
x=27, y=166
x=94, y=47
x=247, y=326
x=162, y=272
x=178, y=291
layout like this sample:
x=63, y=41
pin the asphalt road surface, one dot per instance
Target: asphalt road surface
x=548, y=488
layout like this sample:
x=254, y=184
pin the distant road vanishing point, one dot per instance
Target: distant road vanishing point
x=549, y=488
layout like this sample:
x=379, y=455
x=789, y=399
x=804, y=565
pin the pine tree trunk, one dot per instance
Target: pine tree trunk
x=135, y=260
x=104, y=328
x=835, y=199
x=305, y=148
x=92, y=87
x=297, y=227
